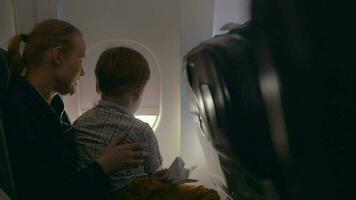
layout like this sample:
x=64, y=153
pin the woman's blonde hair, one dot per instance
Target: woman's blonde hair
x=45, y=35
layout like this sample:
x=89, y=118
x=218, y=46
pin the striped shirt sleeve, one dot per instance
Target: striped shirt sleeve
x=154, y=160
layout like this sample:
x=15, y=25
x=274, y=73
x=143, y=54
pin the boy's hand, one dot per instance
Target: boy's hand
x=160, y=175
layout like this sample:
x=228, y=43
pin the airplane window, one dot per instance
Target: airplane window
x=150, y=119
x=87, y=97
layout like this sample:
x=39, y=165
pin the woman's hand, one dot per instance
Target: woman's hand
x=124, y=156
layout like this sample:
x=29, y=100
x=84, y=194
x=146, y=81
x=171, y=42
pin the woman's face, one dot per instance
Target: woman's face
x=70, y=69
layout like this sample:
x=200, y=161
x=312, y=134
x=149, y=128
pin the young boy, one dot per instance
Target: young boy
x=122, y=74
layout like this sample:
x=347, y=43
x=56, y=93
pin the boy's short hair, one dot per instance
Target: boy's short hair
x=120, y=70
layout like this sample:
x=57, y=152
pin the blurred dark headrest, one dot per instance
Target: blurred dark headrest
x=4, y=73
x=244, y=30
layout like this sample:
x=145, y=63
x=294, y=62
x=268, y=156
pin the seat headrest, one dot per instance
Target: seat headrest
x=4, y=73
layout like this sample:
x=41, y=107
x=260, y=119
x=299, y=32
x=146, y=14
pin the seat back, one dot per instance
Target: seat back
x=223, y=76
x=4, y=73
x=6, y=180
x=315, y=68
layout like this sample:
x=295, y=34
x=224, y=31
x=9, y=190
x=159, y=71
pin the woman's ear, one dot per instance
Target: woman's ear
x=56, y=55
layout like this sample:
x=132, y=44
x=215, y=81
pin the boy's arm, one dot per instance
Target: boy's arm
x=153, y=161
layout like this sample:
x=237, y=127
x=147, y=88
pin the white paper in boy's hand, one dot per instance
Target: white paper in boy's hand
x=177, y=174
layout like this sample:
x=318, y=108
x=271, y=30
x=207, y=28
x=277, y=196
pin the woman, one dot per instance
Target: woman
x=39, y=134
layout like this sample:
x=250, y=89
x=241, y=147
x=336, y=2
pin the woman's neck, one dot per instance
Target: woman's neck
x=41, y=81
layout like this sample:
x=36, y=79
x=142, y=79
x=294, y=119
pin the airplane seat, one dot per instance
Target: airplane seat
x=4, y=73
x=315, y=68
x=222, y=73
x=245, y=30
x=6, y=181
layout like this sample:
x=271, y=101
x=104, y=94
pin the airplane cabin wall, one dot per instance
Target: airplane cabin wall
x=7, y=22
x=150, y=27
x=197, y=22
x=163, y=31
x=200, y=21
x=16, y=16
x=237, y=11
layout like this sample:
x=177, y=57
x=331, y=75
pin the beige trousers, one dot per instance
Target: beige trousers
x=146, y=188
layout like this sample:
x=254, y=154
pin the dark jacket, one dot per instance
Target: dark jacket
x=42, y=149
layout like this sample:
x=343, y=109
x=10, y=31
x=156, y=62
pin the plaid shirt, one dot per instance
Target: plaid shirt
x=95, y=129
